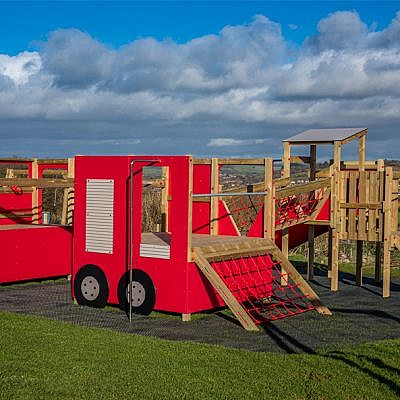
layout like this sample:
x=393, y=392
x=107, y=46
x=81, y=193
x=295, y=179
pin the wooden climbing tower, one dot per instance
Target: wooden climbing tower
x=363, y=201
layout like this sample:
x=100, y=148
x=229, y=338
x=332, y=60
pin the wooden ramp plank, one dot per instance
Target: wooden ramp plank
x=300, y=281
x=203, y=255
x=230, y=300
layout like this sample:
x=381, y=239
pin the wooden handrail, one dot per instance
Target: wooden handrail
x=302, y=188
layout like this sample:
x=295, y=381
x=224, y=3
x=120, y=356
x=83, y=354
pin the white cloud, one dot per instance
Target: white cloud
x=19, y=68
x=240, y=87
x=224, y=142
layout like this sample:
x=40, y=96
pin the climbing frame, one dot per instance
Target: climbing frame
x=249, y=276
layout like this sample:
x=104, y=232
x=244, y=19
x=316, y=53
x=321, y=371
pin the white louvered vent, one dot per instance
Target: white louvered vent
x=99, y=215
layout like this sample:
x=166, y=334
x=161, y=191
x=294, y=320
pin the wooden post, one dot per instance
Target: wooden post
x=286, y=160
x=214, y=200
x=378, y=262
x=190, y=212
x=310, y=253
x=35, y=193
x=186, y=317
x=164, y=199
x=387, y=225
x=285, y=252
x=223, y=290
x=335, y=223
x=269, y=200
x=361, y=152
x=311, y=238
x=330, y=252
x=70, y=196
x=359, y=261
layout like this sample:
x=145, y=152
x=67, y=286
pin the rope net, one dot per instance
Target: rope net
x=296, y=208
x=260, y=287
x=244, y=210
x=289, y=210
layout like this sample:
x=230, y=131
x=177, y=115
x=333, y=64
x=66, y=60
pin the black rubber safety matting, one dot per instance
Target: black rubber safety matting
x=360, y=314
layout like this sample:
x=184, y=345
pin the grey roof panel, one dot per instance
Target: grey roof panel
x=325, y=135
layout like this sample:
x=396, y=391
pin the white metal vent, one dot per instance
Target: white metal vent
x=155, y=251
x=99, y=215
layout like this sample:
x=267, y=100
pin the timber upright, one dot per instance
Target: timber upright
x=210, y=248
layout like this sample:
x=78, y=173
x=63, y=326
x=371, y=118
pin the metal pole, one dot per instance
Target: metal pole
x=130, y=237
x=227, y=194
x=132, y=164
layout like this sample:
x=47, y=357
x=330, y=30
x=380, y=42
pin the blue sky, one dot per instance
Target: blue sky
x=207, y=78
x=117, y=23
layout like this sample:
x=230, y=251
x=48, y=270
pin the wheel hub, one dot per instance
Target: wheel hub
x=90, y=288
x=139, y=294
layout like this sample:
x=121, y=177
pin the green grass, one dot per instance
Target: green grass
x=47, y=359
x=368, y=270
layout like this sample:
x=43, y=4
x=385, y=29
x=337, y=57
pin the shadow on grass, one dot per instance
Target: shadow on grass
x=375, y=313
x=359, y=362
x=377, y=369
x=286, y=342
x=346, y=278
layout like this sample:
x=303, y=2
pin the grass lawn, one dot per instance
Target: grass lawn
x=47, y=359
x=368, y=270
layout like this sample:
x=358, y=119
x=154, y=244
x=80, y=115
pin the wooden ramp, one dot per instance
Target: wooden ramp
x=248, y=276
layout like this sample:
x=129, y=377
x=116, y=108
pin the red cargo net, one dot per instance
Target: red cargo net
x=289, y=210
x=256, y=282
x=244, y=210
x=297, y=207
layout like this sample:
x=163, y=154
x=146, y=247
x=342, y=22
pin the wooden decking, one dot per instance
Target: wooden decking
x=213, y=247
x=13, y=227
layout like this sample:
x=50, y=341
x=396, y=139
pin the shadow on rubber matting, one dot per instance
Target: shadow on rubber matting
x=359, y=315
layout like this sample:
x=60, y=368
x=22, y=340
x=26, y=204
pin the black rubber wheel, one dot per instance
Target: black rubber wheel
x=144, y=293
x=91, y=287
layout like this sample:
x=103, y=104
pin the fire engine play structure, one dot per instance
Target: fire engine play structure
x=213, y=248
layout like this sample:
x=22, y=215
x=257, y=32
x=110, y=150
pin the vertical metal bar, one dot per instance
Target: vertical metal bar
x=130, y=238
x=131, y=231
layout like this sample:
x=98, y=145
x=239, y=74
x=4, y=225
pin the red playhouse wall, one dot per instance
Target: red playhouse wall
x=170, y=277
x=19, y=200
x=32, y=252
x=180, y=286
x=16, y=201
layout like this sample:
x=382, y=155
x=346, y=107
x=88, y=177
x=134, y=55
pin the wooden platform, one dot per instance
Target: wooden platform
x=13, y=227
x=157, y=244
x=198, y=240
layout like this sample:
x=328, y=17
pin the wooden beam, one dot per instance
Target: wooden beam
x=361, y=152
x=214, y=200
x=299, y=160
x=370, y=206
x=378, y=262
x=299, y=280
x=39, y=183
x=190, y=212
x=186, y=317
x=221, y=288
x=285, y=252
x=329, y=253
x=335, y=223
x=387, y=224
x=302, y=188
x=70, y=192
x=359, y=261
x=230, y=161
x=259, y=187
x=164, y=199
x=311, y=233
x=35, y=193
x=286, y=160
x=310, y=253
x=354, y=137
x=269, y=200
